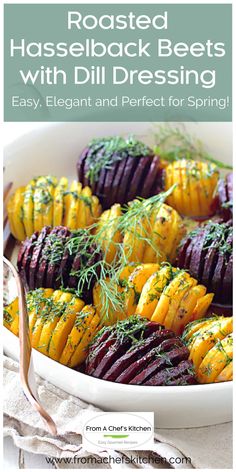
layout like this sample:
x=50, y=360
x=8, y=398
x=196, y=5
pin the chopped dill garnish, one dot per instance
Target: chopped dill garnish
x=216, y=235
x=104, y=152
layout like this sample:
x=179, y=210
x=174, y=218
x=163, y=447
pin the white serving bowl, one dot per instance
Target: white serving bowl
x=54, y=149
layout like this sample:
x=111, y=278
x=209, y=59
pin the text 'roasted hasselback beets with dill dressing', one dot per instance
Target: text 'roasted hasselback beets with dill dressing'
x=47, y=201
x=119, y=169
x=207, y=253
x=137, y=351
x=57, y=257
x=61, y=326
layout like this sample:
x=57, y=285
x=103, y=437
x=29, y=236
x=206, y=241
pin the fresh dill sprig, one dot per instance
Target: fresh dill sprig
x=135, y=219
x=174, y=142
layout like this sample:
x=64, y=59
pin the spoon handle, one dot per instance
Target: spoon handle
x=26, y=362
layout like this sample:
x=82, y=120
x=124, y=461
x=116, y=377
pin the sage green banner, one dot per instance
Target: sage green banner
x=118, y=62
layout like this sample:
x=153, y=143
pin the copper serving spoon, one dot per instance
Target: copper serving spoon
x=26, y=362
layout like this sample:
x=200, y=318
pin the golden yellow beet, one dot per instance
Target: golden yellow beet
x=210, y=343
x=60, y=326
x=45, y=201
x=196, y=182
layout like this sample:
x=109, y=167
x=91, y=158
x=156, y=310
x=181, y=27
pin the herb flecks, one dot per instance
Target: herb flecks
x=104, y=152
x=217, y=235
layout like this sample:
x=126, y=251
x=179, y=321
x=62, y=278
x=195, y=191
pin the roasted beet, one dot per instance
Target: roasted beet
x=223, y=203
x=57, y=258
x=207, y=253
x=119, y=169
x=139, y=352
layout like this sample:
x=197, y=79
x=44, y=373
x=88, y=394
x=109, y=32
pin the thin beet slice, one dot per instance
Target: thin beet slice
x=218, y=277
x=80, y=165
x=100, y=353
x=188, y=255
x=209, y=265
x=53, y=266
x=118, y=180
x=91, y=360
x=92, y=154
x=174, y=354
x=133, y=355
x=76, y=264
x=227, y=289
x=121, y=346
x=36, y=255
x=181, y=256
x=141, y=363
x=114, y=352
x=41, y=275
x=30, y=244
x=100, y=185
x=135, y=186
x=169, y=374
x=21, y=255
x=197, y=257
x=171, y=360
x=151, y=177
x=159, y=184
x=109, y=185
x=129, y=170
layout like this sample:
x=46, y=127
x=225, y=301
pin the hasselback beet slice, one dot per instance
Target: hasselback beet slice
x=209, y=265
x=122, y=346
x=23, y=263
x=136, y=369
x=117, y=182
x=110, y=357
x=227, y=289
x=163, y=357
x=170, y=374
x=182, y=253
x=55, y=257
x=196, y=262
x=135, y=186
x=224, y=197
x=130, y=166
x=133, y=355
x=100, y=185
x=21, y=253
x=109, y=185
x=80, y=166
x=137, y=351
x=205, y=253
x=152, y=177
x=100, y=347
x=36, y=256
